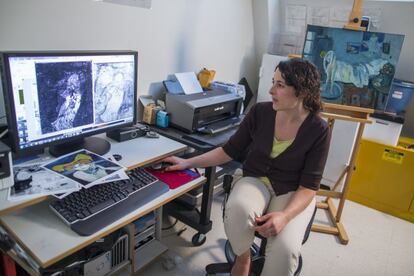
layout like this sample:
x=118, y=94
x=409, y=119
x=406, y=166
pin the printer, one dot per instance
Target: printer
x=199, y=111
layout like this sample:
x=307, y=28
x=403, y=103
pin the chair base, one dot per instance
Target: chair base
x=256, y=268
x=212, y=269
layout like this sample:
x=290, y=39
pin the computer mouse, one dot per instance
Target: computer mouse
x=152, y=134
x=160, y=166
x=117, y=157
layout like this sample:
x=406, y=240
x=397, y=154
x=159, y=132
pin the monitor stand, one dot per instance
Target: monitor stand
x=96, y=145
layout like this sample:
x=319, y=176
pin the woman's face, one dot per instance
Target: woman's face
x=283, y=95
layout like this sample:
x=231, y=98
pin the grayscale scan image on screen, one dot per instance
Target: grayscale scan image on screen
x=65, y=95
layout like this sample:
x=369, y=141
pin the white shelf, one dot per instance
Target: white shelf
x=148, y=252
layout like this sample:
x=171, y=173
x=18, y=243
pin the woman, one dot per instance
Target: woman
x=287, y=145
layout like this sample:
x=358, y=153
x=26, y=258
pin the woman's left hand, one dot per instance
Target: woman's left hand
x=271, y=224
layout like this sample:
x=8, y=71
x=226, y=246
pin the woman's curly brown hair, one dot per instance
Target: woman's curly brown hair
x=305, y=78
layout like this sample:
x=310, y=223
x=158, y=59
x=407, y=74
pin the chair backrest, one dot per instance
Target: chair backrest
x=309, y=227
x=227, y=179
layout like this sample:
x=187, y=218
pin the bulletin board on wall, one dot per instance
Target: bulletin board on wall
x=295, y=17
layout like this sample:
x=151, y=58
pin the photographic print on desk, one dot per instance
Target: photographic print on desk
x=356, y=67
x=84, y=167
x=32, y=180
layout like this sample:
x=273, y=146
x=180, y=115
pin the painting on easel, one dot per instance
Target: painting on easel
x=357, y=67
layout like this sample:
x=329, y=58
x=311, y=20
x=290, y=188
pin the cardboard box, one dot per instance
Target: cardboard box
x=150, y=113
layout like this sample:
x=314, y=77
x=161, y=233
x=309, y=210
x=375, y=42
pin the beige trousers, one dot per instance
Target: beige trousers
x=249, y=195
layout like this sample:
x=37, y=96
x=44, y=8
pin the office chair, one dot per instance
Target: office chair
x=257, y=251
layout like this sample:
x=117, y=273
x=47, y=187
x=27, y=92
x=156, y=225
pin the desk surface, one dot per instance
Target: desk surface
x=47, y=239
x=135, y=153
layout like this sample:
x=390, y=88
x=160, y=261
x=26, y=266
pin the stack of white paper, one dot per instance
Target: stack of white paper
x=189, y=82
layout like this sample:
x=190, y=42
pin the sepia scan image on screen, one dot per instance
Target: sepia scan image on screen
x=114, y=91
x=357, y=67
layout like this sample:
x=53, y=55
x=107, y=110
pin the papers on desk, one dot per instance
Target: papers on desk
x=64, y=175
x=119, y=175
x=189, y=82
x=85, y=167
x=39, y=181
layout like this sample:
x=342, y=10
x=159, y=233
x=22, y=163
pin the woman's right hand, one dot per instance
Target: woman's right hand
x=177, y=163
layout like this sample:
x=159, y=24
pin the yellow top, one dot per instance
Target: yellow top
x=277, y=148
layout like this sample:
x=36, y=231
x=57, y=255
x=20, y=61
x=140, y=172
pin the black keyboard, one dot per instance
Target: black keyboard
x=221, y=125
x=89, y=210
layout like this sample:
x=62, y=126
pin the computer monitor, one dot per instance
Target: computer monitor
x=58, y=99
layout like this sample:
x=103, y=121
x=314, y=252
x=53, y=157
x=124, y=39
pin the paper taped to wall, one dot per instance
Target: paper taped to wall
x=135, y=3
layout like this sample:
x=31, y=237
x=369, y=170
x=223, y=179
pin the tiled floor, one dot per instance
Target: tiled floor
x=380, y=244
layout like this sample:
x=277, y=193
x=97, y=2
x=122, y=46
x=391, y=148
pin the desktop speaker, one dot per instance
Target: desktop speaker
x=127, y=133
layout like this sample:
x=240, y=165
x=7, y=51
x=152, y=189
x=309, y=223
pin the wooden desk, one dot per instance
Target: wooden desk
x=47, y=239
x=135, y=153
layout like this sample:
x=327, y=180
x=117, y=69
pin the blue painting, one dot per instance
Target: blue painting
x=357, y=67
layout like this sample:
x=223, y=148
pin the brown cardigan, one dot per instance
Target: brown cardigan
x=302, y=163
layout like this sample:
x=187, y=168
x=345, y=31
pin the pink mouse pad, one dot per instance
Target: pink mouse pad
x=174, y=179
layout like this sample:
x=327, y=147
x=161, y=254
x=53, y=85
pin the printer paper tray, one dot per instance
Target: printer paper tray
x=214, y=140
x=220, y=126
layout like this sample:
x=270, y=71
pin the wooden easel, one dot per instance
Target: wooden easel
x=360, y=116
x=347, y=113
x=355, y=17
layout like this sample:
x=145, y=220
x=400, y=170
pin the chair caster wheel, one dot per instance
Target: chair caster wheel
x=198, y=239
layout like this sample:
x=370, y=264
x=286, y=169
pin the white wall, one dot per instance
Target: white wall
x=261, y=27
x=173, y=36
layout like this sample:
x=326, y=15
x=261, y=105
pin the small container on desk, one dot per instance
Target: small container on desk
x=162, y=119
